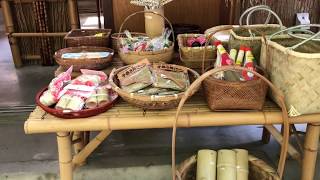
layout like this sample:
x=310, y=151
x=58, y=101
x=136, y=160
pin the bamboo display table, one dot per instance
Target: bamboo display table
x=195, y=114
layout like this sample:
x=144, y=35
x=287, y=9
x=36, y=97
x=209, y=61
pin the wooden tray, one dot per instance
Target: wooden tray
x=79, y=114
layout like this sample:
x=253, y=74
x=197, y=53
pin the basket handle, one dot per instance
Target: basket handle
x=142, y=12
x=292, y=29
x=278, y=95
x=251, y=9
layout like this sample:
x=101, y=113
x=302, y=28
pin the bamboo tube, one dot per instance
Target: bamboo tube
x=310, y=152
x=10, y=29
x=206, y=164
x=242, y=164
x=39, y=34
x=226, y=165
x=278, y=137
x=154, y=24
x=73, y=14
x=77, y=147
x=80, y=158
x=65, y=156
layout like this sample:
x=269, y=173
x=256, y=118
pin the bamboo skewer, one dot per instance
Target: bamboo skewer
x=81, y=157
x=65, y=155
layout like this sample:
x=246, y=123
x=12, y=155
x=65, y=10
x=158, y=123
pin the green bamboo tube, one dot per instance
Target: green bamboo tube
x=226, y=165
x=206, y=164
x=242, y=164
x=10, y=29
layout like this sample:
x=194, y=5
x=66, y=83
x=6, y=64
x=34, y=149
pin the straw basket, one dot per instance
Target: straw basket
x=151, y=102
x=227, y=95
x=294, y=67
x=192, y=56
x=92, y=63
x=116, y=36
x=258, y=169
x=250, y=35
x=86, y=37
x=133, y=57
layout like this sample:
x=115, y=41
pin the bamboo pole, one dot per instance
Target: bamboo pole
x=77, y=147
x=10, y=29
x=73, y=14
x=65, y=155
x=278, y=137
x=39, y=34
x=81, y=157
x=31, y=57
x=310, y=152
x=31, y=1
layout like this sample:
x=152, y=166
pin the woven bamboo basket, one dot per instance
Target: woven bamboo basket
x=294, y=67
x=192, y=56
x=258, y=169
x=133, y=57
x=150, y=102
x=92, y=63
x=115, y=38
x=86, y=37
x=250, y=35
x=238, y=95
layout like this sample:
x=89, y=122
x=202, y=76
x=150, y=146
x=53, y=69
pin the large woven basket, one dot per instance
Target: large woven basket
x=92, y=63
x=295, y=71
x=192, y=56
x=150, y=102
x=258, y=169
x=86, y=37
x=133, y=57
x=115, y=39
x=250, y=35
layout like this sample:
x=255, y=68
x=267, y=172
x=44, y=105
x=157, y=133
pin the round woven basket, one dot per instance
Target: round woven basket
x=86, y=37
x=133, y=57
x=258, y=169
x=150, y=102
x=92, y=63
x=116, y=36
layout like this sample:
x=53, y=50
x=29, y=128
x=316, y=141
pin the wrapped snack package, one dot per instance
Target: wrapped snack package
x=135, y=78
x=51, y=96
x=171, y=80
x=92, y=101
x=76, y=103
x=102, y=96
x=63, y=102
x=151, y=91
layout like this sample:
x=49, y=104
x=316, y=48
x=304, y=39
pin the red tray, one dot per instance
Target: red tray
x=79, y=114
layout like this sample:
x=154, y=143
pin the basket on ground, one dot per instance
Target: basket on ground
x=147, y=101
x=88, y=37
x=84, y=63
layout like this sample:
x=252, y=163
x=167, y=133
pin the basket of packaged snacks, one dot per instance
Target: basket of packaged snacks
x=116, y=36
x=84, y=57
x=292, y=63
x=88, y=37
x=229, y=164
x=152, y=86
x=250, y=35
x=158, y=49
x=191, y=47
x=85, y=96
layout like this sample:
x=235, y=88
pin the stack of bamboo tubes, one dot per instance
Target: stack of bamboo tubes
x=36, y=28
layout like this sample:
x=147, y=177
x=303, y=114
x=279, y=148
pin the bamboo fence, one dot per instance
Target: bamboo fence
x=36, y=28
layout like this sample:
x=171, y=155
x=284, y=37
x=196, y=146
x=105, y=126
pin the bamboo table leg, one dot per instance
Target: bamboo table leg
x=79, y=144
x=310, y=152
x=65, y=155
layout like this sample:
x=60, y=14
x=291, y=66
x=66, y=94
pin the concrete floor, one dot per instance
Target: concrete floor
x=136, y=154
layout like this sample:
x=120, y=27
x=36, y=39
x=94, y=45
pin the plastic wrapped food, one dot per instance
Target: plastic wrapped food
x=151, y=91
x=102, y=96
x=76, y=103
x=171, y=80
x=63, y=102
x=135, y=78
x=92, y=101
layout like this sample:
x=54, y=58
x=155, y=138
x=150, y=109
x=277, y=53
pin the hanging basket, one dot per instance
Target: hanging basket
x=258, y=169
x=92, y=63
x=133, y=57
x=151, y=102
x=87, y=37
